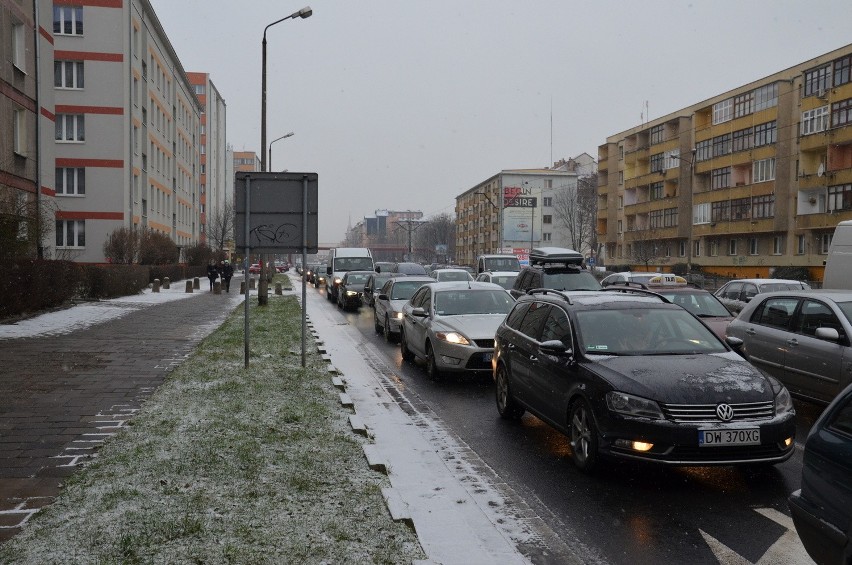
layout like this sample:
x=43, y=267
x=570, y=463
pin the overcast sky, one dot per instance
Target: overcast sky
x=404, y=104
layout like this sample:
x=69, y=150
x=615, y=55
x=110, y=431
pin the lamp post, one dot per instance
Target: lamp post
x=689, y=236
x=285, y=136
x=303, y=13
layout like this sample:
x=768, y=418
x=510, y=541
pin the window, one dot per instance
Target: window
x=752, y=246
x=732, y=247
x=841, y=70
x=720, y=210
x=68, y=20
x=547, y=201
x=203, y=129
x=722, y=145
x=672, y=159
x=663, y=218
x=19, y=47
x=696, y=248
x=766, y=97
x=703, y=150
x=815, y=120
x=763, y=206
x=657, y=134
x=817, y=81
x=547, y=219
x=713, y=248
x=70, y=127
x=701, y=213
x=840, y=197
x=743, y=139
x=135, y=91
x=681, y=248
x=741, y=208
x=722, y=111
x=764, y=134
x=720, y=178
x=70, y=181
x=68, y=74
x=199, y=89
x=657, y=162
x=657, y=190
x=545, y=236
x=144, y=162
x=557, y=327
x=620, y=226
x=135, y=140
x=70, y=233
x=824, y=242
x=743, y=104
x=764, y=170
x=800, y=245
x=203, y=149
x=778, y=245
x=144, y=71
x=203, y=169
x=19, y=132
x=841, y=113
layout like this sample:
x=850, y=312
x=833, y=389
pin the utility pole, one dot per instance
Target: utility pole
x=410, y=226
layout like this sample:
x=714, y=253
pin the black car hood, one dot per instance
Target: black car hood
x=686, y=379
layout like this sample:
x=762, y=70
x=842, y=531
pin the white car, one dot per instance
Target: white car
x=449, y=275
x=504, y=278
x=629, y=276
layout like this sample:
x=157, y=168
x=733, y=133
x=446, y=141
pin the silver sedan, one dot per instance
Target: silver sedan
x=451, y=325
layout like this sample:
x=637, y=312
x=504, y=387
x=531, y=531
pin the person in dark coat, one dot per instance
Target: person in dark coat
x=212, y=273
x=227, y=273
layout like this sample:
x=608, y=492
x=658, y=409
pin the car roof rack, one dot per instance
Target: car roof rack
x=551, y=291
x=631, y=288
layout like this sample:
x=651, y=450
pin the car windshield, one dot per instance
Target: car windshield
x=356, y=279
x=461, y=302
x=503, y=264
x=504, y=281
x=453, y=276
x=353, y=264
x=403, y=290
x=571, y=280
x=644, y=331
x=846, y=308
x=411, y=269
x=699, y=303
x=775, y=287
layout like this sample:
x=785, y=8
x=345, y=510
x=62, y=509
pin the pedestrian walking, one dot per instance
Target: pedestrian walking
x=212, y=273
x=227, y=273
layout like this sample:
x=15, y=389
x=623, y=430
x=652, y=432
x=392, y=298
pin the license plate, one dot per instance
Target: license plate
x=715, y=438
x=487, y=357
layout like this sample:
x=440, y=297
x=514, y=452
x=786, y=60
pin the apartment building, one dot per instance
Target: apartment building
x=246, y=162
x=126, y=126
x=740, y=184
x=216, y=186
x=24, y=186
x=513, y=211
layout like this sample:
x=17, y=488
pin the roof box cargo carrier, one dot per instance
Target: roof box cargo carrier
x=556, y=256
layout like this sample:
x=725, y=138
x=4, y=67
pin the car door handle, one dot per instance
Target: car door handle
x=533, y=358
x=751, y=331
x=510, y=346
x=792, y=342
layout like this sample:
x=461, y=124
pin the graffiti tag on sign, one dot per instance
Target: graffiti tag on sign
x=270, y=234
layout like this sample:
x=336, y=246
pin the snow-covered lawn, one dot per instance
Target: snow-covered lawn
x=227, y=465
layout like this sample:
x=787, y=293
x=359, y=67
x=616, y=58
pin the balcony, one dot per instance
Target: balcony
x=841, y=135
x=807, y=182
x=813, y=141
x=825, y=220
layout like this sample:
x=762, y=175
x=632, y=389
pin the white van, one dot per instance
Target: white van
x=838, y=266
x=497, y=263
x=340, y=261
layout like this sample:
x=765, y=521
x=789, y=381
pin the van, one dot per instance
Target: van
x=497, y=263
x=838, y=265
x=340, y=261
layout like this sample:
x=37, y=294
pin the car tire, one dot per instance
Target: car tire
x=407, y=354
x=376, y=324
x=329, y=295
x=506, y=405
x=386, y=330
x=431, y=364
x=583, y=436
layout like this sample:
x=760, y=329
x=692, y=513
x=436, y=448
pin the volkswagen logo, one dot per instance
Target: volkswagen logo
x=725, y=412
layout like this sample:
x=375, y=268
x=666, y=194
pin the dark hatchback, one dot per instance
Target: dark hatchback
x=632, y=376
x=822, y=508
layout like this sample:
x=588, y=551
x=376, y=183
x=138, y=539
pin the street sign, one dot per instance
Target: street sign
x=277, y=212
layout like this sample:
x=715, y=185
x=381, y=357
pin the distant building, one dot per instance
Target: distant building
x=388, y=234
x=741, y=184
x=246, y=162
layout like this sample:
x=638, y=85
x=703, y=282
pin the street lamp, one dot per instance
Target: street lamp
x=303, y=13
x=285, y=136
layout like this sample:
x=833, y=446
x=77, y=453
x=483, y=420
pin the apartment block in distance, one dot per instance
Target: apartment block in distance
x=215, y=187
x=246, y=162
x=127, y=127
x=741, y=184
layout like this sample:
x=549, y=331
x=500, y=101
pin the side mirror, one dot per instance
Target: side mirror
x=554, y=347
x=328, y=271
x=828, y=334
x=418, y=312
x=382, y=297
x=378, y=268
x=735, y=342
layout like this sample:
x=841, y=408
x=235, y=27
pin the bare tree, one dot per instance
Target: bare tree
x=646, y=248
x=220, y=226
x=438, y=230
x=23, y=224
x=575, y=210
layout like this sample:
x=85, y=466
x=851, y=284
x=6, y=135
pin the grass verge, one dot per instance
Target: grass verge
x=227, y=465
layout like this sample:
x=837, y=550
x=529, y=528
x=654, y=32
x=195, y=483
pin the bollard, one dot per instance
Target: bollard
x=278, y=288
x=155, y=287
x=217, y=287
x=196, y=284
x=252, y=283
x=189, y=286
x=242, y=287
x=167, y=283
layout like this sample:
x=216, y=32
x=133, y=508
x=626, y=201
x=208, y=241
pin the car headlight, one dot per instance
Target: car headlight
x=629, y=405
x=783, y=402
x=351, y=293
x=399, y=315
x=452, y=337
x=337, y=280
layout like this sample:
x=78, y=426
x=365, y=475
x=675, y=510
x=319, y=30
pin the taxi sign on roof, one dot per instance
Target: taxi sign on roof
x=668, y=279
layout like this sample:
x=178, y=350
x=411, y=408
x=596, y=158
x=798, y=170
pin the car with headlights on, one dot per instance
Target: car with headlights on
x=628, y=375
x=451, y=325
x=351, y=288
x=822, y=508
x=801, y=337
x=387, y=308
x=374, y=284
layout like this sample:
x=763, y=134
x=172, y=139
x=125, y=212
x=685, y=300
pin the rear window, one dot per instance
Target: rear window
x=571, y=280
x=502, y=264
x=403, y=290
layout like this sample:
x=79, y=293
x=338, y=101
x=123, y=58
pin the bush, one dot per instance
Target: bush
x=111, y=281
x=29, y=285
x=157, y=248
x=198, y=255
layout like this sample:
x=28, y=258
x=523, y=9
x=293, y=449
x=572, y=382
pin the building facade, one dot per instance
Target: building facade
x=126, y=129
x=246, y=162
x=214, y=183
x=389, y=234
x=512, y=212
x=740, y=184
